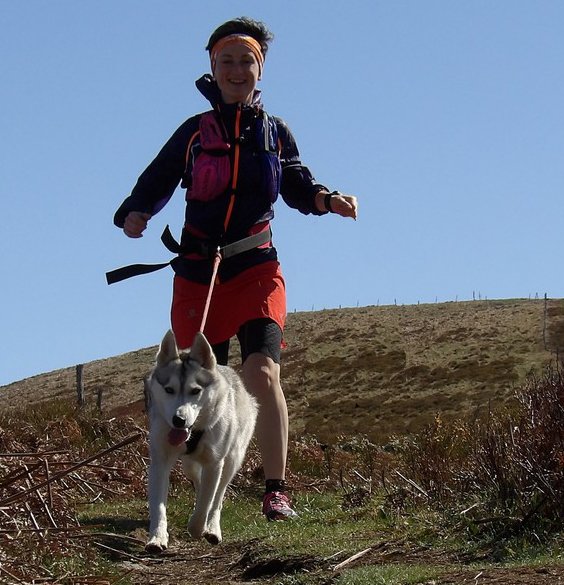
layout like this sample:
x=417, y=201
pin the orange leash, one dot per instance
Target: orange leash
x=235, y=169
x=218, y=257
x=216, y=261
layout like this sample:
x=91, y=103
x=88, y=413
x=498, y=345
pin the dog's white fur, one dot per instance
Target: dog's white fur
x=189, y=386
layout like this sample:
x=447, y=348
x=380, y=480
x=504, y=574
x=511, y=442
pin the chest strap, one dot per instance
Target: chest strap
x=204, y=248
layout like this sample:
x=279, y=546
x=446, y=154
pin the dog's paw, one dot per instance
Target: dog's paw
x=212, y=538
x=156, y=546
x=195, y=529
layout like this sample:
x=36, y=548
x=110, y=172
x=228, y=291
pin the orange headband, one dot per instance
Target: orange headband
x=240, y=39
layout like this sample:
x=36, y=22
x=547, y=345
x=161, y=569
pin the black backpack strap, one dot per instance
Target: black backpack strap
x=203, y=248
x=124, y=272
x=170, y=243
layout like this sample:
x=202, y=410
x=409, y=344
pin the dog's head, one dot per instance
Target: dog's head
x=181, y=383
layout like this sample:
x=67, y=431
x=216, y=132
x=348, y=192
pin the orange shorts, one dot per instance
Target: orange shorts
x=257, y=293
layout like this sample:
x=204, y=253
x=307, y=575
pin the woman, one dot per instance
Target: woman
x=233, y=162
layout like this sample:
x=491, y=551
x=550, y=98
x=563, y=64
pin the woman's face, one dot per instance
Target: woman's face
x=236, y=73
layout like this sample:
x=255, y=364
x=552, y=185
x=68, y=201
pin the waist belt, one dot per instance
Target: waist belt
x=205, y=248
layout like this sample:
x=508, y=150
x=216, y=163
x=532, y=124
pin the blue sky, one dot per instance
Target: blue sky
x=445, y=118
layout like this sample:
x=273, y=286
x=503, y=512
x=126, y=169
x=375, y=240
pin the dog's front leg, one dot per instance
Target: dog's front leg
x=159, y=476
x=213, y=528
x=210, y=478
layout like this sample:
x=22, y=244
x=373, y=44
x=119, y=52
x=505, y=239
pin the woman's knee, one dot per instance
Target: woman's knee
x=261, y=374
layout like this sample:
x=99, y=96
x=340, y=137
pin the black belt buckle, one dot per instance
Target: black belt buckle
x=209, y=249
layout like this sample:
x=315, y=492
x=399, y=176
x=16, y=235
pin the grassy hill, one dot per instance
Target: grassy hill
x=451, y=504
x=373, y=370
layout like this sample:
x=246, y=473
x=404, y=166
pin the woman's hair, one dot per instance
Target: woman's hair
x=243, y=25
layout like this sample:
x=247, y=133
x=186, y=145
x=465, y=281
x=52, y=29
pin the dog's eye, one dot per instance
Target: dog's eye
x=196, y=390
x=169, y=389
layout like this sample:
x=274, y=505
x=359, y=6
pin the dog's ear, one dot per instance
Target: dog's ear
x=202, y=352
x=168, y=350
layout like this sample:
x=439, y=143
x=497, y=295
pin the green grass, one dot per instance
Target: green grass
x=322, y=529
x=325, y=534
x=388, y=575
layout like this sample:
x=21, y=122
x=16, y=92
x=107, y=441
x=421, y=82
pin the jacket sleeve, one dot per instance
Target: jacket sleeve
x=298, y=186
x=158, y=181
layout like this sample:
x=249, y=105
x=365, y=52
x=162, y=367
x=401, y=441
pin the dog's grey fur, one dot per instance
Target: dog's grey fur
x=188, y=390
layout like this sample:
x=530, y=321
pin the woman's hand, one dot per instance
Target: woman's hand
x=343, y=205
x=135, y=224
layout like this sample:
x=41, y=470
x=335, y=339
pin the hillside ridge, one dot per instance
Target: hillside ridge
x=375, y=370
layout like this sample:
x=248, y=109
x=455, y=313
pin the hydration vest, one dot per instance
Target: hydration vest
x=213, y=169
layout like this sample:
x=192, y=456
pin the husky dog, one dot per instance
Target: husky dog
x=199, y=412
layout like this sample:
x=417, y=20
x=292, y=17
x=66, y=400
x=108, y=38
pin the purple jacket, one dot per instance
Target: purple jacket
x=253, y=202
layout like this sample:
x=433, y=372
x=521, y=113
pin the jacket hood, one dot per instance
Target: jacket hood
x=208, y=87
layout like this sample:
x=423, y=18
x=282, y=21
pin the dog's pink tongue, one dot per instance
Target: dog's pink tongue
x=177, y=436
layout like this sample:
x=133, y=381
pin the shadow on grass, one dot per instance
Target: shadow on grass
x=117, y=524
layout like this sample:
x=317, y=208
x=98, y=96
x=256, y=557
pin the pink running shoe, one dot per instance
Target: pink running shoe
x=277, y=506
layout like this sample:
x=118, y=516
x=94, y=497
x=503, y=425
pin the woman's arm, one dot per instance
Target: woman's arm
x=300, y=190
x=298, y=186
x=157, y=182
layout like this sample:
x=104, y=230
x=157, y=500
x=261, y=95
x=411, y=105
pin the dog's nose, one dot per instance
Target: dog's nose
x=178, y=422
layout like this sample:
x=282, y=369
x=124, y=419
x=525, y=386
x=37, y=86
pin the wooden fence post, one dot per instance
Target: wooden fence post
x=544, y=319
x=80, y=385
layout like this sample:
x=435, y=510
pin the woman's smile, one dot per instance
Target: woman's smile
x=237, y=73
